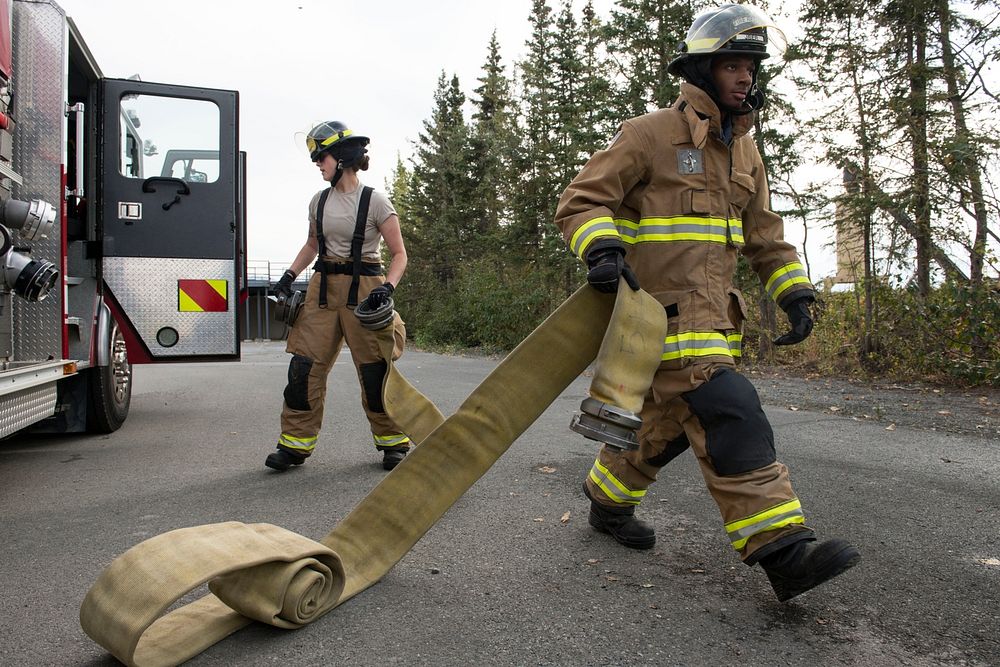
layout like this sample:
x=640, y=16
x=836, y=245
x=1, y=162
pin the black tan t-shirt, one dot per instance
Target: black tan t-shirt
x=340, y=216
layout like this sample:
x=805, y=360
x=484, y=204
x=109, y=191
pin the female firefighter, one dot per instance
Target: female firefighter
x=347, y=223
x=669, y=204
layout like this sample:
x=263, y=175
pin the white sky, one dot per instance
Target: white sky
x=373, y=64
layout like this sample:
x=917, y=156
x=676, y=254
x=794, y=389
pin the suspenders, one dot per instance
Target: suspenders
x=357, y=240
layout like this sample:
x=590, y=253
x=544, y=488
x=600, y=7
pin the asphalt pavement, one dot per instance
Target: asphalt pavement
x=512, y=574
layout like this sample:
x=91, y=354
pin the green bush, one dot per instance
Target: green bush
x=952, y=337
x=486, y=306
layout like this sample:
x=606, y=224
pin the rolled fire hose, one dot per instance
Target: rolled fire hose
x=269, y=574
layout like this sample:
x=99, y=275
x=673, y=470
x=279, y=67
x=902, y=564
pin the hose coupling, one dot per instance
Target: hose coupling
x=607, y=423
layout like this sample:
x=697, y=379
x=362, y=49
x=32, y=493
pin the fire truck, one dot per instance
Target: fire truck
x=122, y=226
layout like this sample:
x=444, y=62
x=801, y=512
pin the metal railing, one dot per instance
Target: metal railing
x=256, y=316
x=263, y=271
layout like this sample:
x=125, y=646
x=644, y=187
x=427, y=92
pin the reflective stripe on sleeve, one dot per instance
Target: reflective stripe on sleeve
x=736, y=232
x=300, y=444
x=613, y=488
x=590, y=231
x=784, y=278
x=735, y=341
x=785, y=514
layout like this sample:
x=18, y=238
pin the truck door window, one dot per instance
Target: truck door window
x=169, y=136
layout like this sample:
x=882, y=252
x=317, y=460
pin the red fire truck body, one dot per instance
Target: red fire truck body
x=122, y=223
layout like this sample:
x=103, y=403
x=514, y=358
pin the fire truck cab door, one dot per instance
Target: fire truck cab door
x=169, y=200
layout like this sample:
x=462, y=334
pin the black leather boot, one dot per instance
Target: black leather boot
x=806, y=564
x=392, y=457
x=283, y=459
x=621, y=524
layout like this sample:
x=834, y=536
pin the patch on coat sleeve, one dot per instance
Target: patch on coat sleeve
x=690, y=161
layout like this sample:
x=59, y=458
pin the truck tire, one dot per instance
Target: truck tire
x=110, y=388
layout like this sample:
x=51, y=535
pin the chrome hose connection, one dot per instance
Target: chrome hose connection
x=607, y=423
x=33, y=219
x=287, y=309
x=375, y=319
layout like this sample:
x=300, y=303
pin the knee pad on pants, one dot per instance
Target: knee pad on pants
x=737, y=434
x=372, y=376
x=297, y=390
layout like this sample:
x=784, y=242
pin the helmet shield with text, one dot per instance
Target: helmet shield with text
x=729, y=30
x=733, y=29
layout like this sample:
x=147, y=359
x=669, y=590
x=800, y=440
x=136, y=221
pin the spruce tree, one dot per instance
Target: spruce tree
x=441, y=187
x=642, y=38
x=534, y=204
x=492, y=144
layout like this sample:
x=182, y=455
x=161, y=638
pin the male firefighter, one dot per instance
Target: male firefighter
x=667, y=205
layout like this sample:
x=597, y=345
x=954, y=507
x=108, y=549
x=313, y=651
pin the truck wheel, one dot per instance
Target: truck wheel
x=110, y=388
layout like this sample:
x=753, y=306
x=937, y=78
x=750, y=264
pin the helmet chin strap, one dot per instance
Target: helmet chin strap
x=698, y=71
x=337, y=174
x=753, y=102
x=349, y=156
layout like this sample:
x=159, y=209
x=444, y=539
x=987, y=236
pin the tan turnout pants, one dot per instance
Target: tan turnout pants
x=315, y=342
x=750, y=487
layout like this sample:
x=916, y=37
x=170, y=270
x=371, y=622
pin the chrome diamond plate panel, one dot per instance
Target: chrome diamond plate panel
x=40, y=55
x=26, y=407
x=146, y=289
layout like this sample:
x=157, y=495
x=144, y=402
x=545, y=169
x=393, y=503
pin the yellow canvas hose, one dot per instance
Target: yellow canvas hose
x=266, y=573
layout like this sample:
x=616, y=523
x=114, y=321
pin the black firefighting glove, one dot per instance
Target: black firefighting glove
x=606, y=264
x=801, y=320
x=283, y=288
x=378, y=296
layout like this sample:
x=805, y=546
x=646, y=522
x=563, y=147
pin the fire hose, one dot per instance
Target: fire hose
x=269, y=574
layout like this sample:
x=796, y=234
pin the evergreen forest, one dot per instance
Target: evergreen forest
x=878, y=130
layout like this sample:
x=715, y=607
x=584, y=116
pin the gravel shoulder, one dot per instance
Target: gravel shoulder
x=969, y=411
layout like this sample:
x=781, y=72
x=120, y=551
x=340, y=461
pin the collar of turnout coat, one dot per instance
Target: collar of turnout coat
x=703, y=115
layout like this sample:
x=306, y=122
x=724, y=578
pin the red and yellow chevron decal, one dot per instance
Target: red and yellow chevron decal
x=202, y=296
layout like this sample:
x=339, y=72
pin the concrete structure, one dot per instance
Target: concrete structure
x=257, y=321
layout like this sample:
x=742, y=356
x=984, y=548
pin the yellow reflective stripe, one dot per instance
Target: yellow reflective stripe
x=702, y=344
x=794, y=281
x=779, y=516
x=390, y=440
x=589, y=231
x=302, y=444
x=612, y=487
x=736, y=231
x=334, y=138
x=704, y=220
x=682, y=236
x=784, y=278
x=186, y=304
x=681, y=228
x=735, y=341
x=703, y=45
x=312, y=145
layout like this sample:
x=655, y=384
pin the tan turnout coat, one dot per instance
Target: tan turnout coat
x=685, y=203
